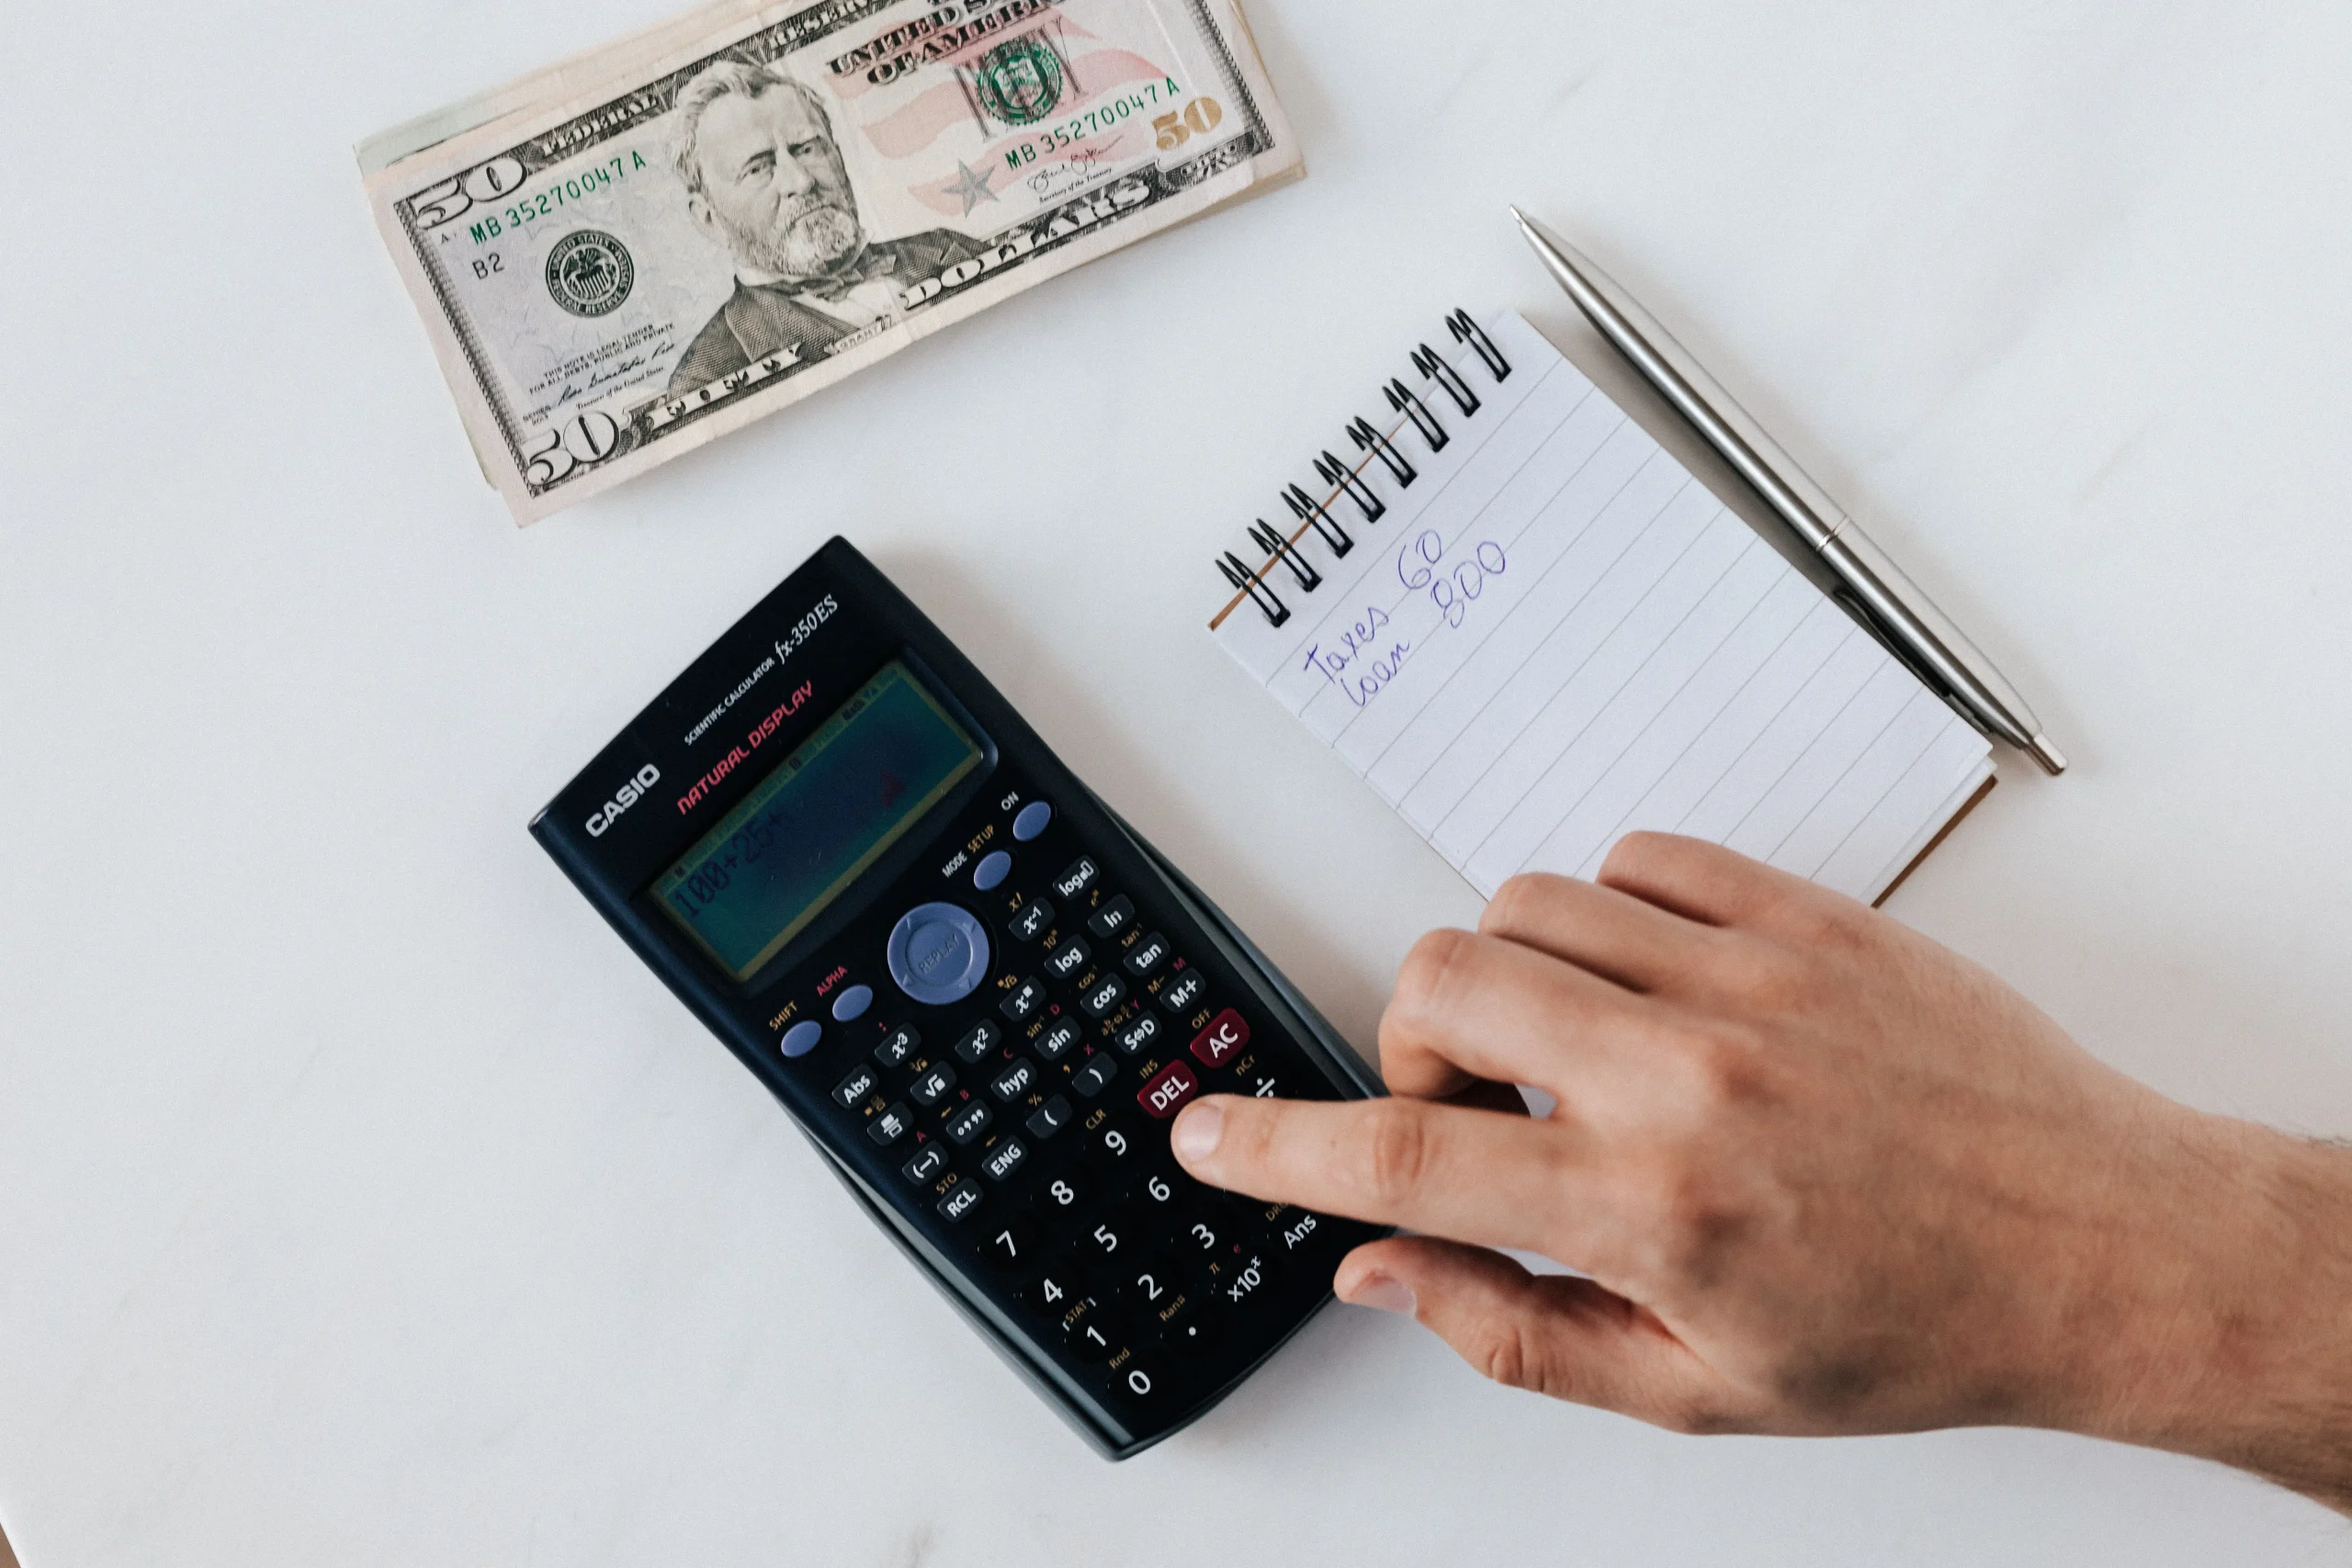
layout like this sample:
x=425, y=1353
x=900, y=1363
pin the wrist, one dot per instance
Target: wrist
x=2234, y=1341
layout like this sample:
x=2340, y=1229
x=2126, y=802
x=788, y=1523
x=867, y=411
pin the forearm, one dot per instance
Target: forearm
x=2240, y=1350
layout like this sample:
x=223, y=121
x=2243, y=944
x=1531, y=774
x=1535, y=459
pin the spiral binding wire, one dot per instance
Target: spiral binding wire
x=1306, y=509
x=1465, y=330
x=1401, y=400
x=1428, y=361
x=1332, y=471
x=1272, y=542
x=1368, y=439
x=1237, y=573
x=1345, y=479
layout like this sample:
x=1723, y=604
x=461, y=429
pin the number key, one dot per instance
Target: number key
x=1096, y=1332
x=1113, y=1149
x=1138, y=1378
x=1111, y=1241
x=1055, y=1292
x=1158, y=1193
x=1149, y=1285
x=1012, y=1244
x=1064, y=1194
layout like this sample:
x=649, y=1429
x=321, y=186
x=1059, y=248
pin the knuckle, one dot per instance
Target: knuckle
x=1637, y=852
x=1430, y=970
x=1521, y=904
x=1504, y=1352
x=1698, y=1416
x=1397, y=1152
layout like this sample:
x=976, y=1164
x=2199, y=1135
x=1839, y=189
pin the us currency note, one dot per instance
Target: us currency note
x=625, y=256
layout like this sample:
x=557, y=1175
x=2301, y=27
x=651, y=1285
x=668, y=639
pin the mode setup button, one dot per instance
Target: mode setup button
x=938, y=953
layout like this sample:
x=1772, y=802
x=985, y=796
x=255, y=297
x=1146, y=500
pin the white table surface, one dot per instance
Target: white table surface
x=363, y=1201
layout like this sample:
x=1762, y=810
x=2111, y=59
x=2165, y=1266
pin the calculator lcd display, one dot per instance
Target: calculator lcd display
x=812, y=827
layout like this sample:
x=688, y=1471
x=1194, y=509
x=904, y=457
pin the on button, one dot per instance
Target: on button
x=1034, y=819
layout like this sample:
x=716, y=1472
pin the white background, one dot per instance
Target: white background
x=363, y=1201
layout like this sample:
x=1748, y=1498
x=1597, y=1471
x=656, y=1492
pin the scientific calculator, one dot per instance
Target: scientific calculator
x=980, y=992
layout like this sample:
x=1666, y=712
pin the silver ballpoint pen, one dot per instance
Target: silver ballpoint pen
x=1871, y=587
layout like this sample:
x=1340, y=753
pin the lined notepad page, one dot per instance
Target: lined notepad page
x=1556, y=636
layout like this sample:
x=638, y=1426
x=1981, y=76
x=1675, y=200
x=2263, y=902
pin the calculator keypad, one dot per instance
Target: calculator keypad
x=1031, y=1117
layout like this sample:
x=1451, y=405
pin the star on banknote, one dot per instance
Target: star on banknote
x=972, y=184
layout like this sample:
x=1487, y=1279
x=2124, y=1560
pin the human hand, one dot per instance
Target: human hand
x=1825, y=1176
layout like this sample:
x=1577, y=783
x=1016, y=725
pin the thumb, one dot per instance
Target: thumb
x=1568, y=1338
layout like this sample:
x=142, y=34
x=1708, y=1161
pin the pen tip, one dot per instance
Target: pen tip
x=2053, y=760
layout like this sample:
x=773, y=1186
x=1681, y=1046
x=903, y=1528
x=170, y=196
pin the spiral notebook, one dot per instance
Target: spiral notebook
x=1532, y=631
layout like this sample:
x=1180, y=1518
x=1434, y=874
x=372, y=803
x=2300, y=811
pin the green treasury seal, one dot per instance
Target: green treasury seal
x=1020, y=82
x=589, y=273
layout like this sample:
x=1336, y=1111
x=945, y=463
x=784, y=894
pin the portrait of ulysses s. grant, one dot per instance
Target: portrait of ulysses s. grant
x=765, y=179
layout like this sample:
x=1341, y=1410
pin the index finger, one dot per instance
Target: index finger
x=1472, y=1176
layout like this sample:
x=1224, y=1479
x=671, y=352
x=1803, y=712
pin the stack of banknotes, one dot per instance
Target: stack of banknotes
x=622, y=256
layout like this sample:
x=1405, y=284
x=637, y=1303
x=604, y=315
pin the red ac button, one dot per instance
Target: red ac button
x=1221, y=1040
x=1165, y=1095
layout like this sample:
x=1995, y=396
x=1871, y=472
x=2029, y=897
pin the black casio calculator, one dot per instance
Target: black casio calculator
x=980, y=992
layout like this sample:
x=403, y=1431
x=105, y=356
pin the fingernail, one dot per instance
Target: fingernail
x=1198, y=1131
x=1384, y=1294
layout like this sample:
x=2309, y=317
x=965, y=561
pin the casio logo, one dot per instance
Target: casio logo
x=628, y=794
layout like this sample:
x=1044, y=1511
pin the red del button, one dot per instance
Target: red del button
x=1221, y=1041
x=1166, y=1094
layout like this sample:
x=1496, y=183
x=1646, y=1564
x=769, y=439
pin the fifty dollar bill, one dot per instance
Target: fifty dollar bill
x=622, y=256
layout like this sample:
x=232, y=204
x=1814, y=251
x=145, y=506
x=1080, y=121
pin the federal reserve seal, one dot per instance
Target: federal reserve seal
x=589, y=273
x=1021, y=82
